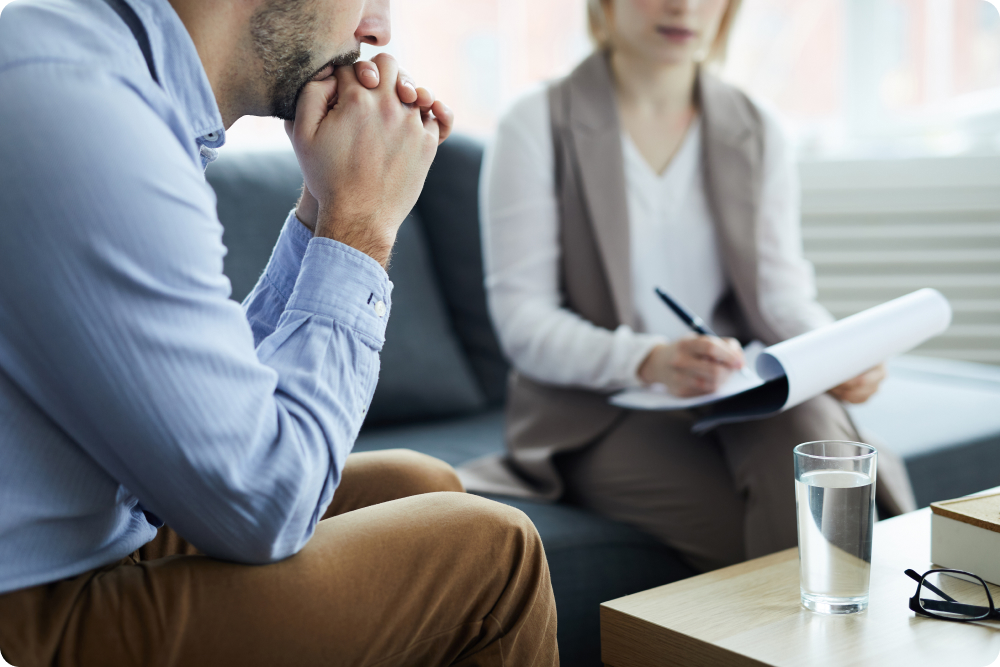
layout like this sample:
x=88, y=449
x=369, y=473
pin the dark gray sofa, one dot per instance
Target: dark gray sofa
x=441, y=389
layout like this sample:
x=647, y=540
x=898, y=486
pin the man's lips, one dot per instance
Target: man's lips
x=676, y=34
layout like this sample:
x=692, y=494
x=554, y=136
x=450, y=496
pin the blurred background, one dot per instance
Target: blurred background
x=852, y=77
x=894, y=106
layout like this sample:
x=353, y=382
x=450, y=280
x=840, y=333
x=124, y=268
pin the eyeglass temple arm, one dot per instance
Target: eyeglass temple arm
x=953, y=607
x=916, y=577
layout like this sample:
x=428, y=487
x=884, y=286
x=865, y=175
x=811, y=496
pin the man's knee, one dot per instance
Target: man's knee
x=505, y=529
x=410, y=473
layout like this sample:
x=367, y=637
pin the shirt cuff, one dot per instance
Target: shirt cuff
x=286, y=259
x=346, y=285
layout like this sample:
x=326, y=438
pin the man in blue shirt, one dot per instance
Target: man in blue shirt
x=134, y=392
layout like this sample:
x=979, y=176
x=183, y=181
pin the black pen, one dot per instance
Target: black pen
x=695, y=323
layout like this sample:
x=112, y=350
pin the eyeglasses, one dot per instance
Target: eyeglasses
x=952, y=595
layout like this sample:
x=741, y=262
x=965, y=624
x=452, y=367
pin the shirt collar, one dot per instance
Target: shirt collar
x=181, y=72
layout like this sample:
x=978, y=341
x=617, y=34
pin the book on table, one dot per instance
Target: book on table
x=965, y=535
x=791, y=372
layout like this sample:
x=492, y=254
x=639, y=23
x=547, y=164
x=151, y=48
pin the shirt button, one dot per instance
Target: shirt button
x=380, y=308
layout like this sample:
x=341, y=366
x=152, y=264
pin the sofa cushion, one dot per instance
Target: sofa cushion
x=424, y=371
x=450, y=210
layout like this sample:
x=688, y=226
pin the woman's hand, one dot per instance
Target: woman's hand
x=692, y=366
x=861, y=388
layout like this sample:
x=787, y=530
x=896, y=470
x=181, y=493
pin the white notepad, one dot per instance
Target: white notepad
x=803, y=367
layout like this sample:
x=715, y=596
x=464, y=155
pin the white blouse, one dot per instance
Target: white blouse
x=673, y=246
x=672, y=237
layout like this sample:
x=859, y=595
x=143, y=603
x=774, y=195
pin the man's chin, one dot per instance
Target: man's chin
x=283, y=106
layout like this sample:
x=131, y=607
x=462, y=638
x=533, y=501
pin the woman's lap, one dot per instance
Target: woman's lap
x=719, y=498
x=650, y=471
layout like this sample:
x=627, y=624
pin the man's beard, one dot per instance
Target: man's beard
x=281, y=32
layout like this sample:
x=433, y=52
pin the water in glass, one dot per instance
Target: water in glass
x=834, y=509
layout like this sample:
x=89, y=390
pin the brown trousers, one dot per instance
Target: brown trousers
x=719, y=498
x=397, y=573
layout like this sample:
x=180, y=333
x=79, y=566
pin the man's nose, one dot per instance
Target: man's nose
x=375, y=28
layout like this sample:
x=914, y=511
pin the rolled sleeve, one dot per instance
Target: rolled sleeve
x=286, y=260
x=346, y=285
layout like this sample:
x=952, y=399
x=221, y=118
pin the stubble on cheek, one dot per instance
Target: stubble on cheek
x=282, y=33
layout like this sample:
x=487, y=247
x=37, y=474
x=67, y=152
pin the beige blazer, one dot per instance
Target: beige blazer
x=543, y=420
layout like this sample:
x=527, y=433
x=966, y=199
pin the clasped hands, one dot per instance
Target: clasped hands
x=365, y=137
x=698, y=365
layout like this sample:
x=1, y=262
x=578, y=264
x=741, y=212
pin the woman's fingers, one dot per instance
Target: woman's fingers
x=684, y=372
x=687, y=386
x=736, y=349
x=862, y=387
x=701, y=372
x=714, y=349
x=704, y=363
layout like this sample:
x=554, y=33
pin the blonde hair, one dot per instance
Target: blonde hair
x=597, y=25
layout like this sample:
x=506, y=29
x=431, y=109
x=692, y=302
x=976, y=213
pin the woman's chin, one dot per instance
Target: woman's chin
x=667, y=54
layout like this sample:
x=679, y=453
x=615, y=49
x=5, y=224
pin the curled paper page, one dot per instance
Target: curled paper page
x=820, y=360
x=800, y=368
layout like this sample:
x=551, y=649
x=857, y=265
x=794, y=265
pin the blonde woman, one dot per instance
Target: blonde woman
x=640, y=169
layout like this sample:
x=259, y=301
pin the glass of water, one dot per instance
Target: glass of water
x=835, y=508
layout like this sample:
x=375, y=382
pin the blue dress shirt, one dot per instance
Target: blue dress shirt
x=129, y=381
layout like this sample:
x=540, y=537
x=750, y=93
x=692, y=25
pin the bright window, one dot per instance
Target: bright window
x=851, y=77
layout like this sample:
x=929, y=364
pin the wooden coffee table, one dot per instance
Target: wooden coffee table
x=749, y=615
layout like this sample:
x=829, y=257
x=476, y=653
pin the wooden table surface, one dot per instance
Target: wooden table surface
x=750, y=615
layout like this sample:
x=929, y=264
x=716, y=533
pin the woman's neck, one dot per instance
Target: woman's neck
x=656, y=103
x=653, y=88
